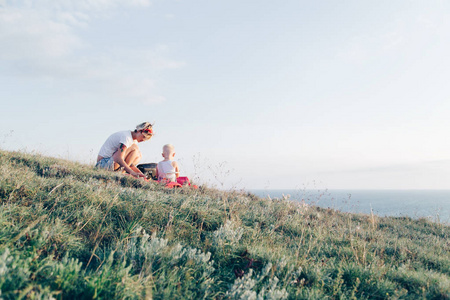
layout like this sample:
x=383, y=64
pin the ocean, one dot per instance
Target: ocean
x=431, y=204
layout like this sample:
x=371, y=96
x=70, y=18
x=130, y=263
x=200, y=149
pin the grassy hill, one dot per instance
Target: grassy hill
x=69, y=231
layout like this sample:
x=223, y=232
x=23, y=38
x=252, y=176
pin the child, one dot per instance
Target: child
x=168, y=168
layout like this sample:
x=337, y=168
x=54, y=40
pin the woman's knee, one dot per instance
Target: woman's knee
x=139, y=156
x=134, y=155
x=136, y=151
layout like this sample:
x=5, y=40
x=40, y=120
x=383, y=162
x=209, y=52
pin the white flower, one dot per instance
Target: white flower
x=228, y=234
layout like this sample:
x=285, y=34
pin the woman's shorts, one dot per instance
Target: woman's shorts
x=106, y=163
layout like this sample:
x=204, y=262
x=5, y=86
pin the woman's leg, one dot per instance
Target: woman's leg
x=133, y=155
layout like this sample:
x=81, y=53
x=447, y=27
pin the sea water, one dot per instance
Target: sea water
x=431, y=204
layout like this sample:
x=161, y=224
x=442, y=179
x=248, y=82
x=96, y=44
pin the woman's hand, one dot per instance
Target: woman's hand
x=137, y=175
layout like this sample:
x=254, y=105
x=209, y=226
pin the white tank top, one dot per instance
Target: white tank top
x=166, y=171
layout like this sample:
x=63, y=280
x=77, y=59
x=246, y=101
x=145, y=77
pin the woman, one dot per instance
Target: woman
x=121, y=152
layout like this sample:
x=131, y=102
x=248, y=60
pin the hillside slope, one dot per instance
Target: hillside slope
x=69, y=231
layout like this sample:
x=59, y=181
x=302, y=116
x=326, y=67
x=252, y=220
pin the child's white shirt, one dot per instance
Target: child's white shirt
x=166, y=170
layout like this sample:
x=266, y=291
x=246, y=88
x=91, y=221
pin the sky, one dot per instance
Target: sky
x=252, y=94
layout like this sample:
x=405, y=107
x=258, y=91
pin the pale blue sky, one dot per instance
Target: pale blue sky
x=262, y=94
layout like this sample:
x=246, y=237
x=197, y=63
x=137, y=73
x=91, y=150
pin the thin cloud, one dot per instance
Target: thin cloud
x=169, y=16
x=27, y=34
x=401, y=35
x=155, y=58
x=41, y=40
x=75, y=19
x=80, y=5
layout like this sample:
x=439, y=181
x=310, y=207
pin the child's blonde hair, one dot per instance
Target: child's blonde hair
x=168, y=149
